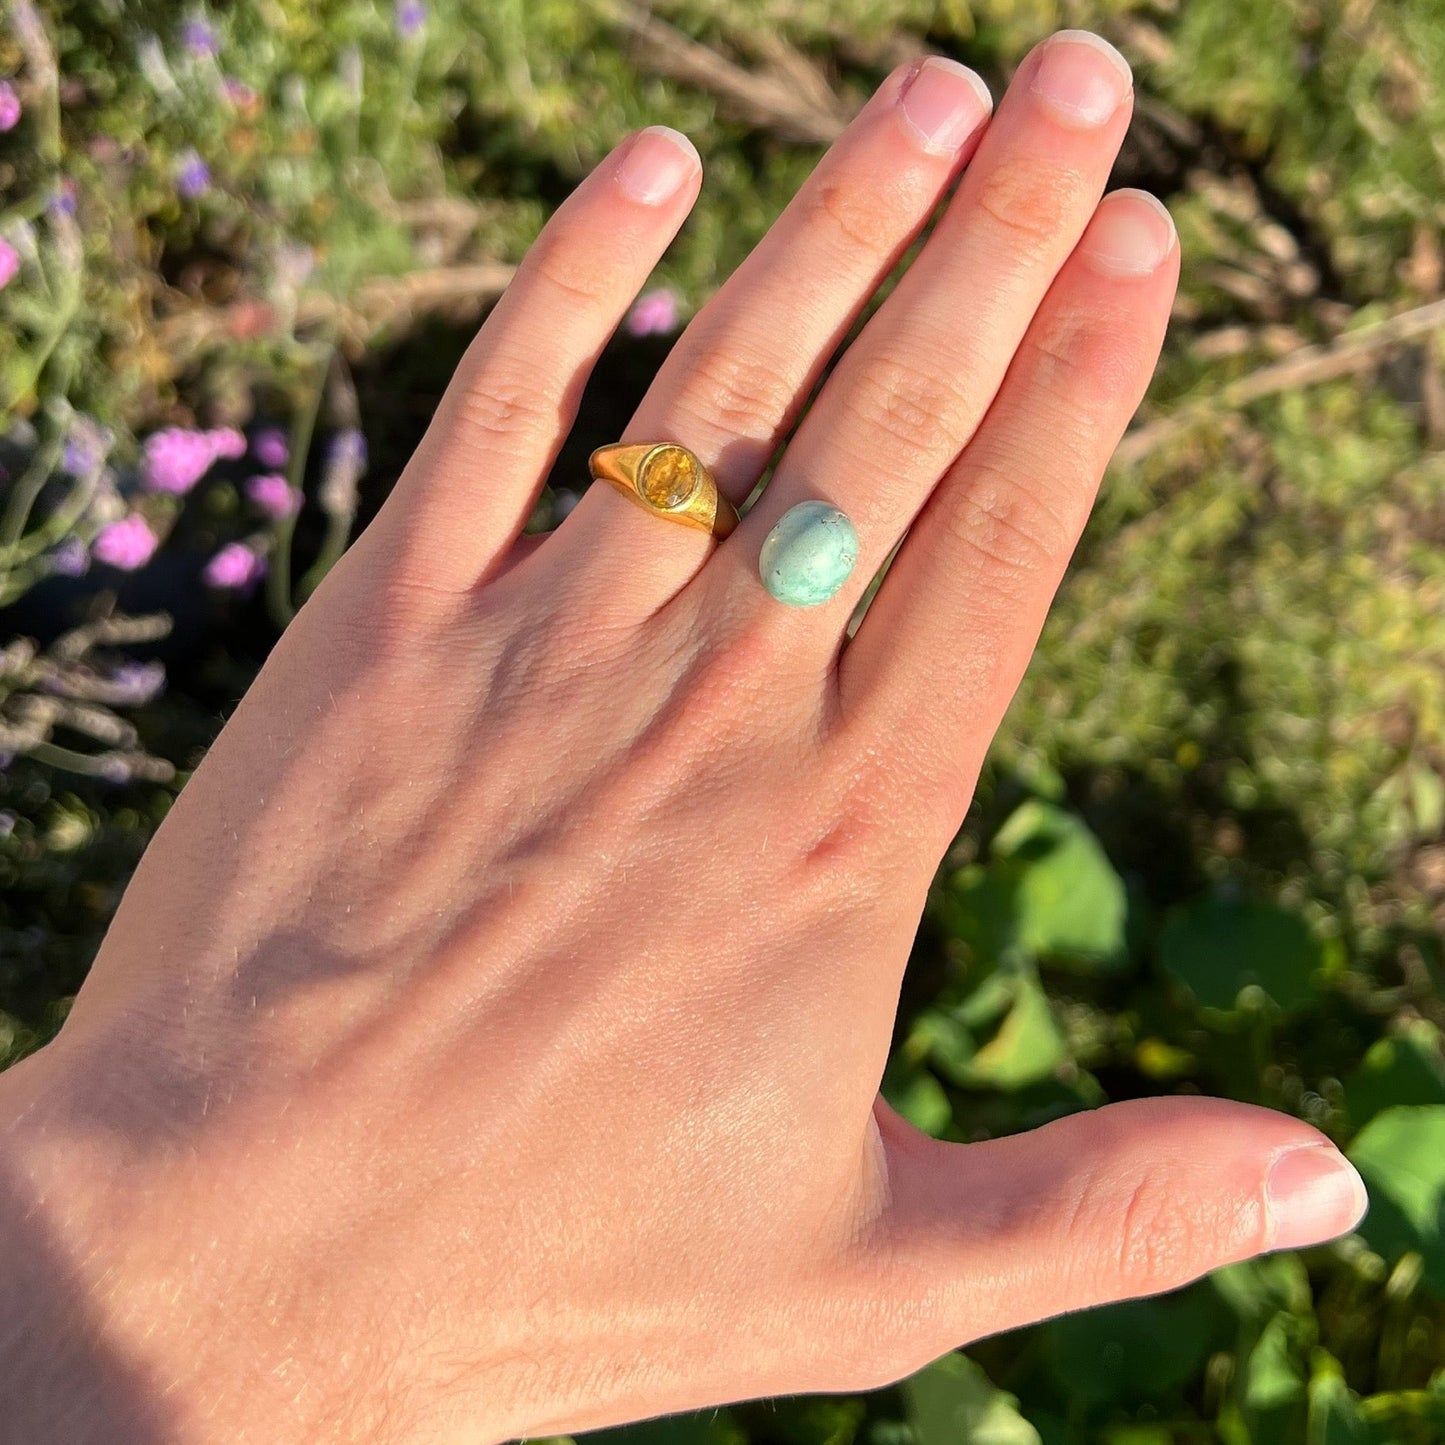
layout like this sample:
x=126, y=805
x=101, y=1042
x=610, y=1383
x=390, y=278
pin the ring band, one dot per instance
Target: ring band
x=667, y=480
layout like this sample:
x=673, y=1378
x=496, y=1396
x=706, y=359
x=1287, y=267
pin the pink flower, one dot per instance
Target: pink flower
x=9, y=263
x=271, y=447
x=274, y=495
x=227, y=442
x=9, y=106
x=176, y=459
x=126, y=544
x=234, y=568
x=244, y=97
x=653, y=313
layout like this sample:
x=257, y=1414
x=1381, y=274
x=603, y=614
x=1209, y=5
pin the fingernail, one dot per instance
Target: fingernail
x=1131, y=234
x=1082, y=78
x=1313, y=1193
x=944, y=102
x=658, y=163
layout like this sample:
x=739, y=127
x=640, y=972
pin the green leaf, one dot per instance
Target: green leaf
x=988, y=1001
x=952, y=1402
x=945, y=1040
x=1334, y=1410
x=806, y=1419
x=1219, y=947
x=1401, y=1154
x=1426, y=792
x=1255, y=1289
x=1407, y=1068
x=1139, y=1350
x=919, y=1098
x=1070, y=905
x=978, y=910
x=1028, y=1046
x=709, y=1428
x=1273, y=1374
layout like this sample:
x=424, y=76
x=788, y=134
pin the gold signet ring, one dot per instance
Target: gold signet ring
x=669, y=481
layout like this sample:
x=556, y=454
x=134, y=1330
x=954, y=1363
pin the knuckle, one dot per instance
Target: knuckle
x=1154, y=1242
x=849, y=825
x=1088, y=357
x=925, y=414
x=572, y=272
x=1030, y=199
x=1015, y=530
x=856, y=216
x=510, y=405
x=738, y=391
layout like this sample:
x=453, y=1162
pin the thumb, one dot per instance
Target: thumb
x=1118, y=1202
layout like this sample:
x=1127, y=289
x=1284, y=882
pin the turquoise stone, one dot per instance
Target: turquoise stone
x=809, y=555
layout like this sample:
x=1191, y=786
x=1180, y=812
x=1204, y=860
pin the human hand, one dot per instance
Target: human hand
x=489, y=1042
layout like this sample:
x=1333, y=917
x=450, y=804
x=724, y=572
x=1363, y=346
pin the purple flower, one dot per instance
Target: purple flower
x=193, y=175
x=62, y=198
x=274, y=495
x=175, y=459
x=9, y=262
x=234, y=568
x=85, y=447
x=9, y=106
x=126, y=544
x=199, y=38
x=345, y=462
x=133, y=684
x=271, y=447
x=653, y=313
x=410, y=18
x=8, y=820
x=70, y=559
x=348, y=448
x=227, y=442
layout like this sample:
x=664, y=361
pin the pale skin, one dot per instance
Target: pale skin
x=489, y=1043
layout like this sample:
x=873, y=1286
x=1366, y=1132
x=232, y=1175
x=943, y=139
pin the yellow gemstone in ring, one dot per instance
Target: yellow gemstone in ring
x=668, y=477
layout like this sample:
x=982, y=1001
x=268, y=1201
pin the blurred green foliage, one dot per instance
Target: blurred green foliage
x=1208, y=854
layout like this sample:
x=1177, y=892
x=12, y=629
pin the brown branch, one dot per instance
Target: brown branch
x=385, y=301
x=1345, y=355
x=375, y=306
x=110, y=632
x=772, y=99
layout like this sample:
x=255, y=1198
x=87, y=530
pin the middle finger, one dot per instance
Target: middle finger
x=909, y=393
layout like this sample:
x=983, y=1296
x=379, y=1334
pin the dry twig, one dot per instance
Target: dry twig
x=1344, y=356
x=774, y=99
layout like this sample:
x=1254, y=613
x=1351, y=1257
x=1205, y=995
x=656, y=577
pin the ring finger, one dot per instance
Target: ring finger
x=733, y=383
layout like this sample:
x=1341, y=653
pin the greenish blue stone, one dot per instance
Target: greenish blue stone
x=809, y=555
